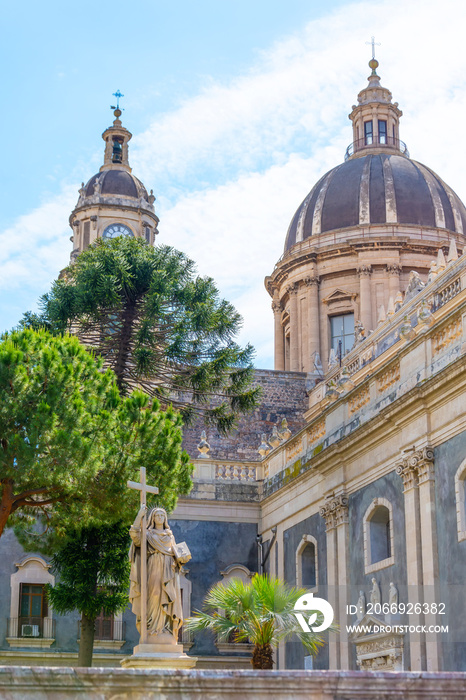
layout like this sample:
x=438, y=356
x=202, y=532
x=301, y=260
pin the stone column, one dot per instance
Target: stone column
x=313, y=321
x=279, y=338
x=417, y=472
x=365, y=300
x=394, y=272
x=406, y=468
x=428, y=529
x=335, y=513
x=292, y=290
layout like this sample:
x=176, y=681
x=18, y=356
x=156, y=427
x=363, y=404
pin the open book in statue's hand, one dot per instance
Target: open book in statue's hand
x=181, y=552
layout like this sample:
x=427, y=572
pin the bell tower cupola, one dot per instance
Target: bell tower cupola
x=376, y=119
x=113, y=202
x=116, y=139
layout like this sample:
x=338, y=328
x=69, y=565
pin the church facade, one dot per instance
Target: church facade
x=349, y=478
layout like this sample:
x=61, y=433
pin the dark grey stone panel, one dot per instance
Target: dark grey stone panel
x=451, y=554
x=413, y=201
x=377, y=204
x=315, y=526
x=214, y=546
x=389, y=487
x=341, y=204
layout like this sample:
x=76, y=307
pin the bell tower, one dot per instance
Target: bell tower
x=113, y=202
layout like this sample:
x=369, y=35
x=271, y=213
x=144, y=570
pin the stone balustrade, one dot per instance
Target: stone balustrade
x=224, y=471
x=27, y=683
x=382, y=368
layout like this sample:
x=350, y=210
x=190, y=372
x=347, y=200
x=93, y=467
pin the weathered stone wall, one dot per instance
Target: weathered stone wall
x=451, y=553
x=389, y=487
x=315, y=526
x=25, y=683
x=214, y=546
x=283, y=396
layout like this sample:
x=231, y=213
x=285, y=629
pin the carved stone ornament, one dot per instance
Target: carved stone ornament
x=364, y=270
x=375, y=650
x=335, y=511
x=276, y=307
x=394, y=269
x=292, y=288
x=312, y=281
x=416, y=468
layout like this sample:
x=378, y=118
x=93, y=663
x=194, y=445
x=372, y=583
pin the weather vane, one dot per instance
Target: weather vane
x=117, y=94
x=373, y=43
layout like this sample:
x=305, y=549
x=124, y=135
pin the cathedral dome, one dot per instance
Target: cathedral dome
x=117, y=183
x=380, y=188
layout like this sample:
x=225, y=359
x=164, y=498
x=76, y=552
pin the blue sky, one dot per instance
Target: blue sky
x=236, y=109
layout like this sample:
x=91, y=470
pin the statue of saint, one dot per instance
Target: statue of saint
x=393, y=595
x=361, y=606
x=375, y=593
x=164, y=610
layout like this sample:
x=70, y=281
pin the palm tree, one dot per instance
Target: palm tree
x=259, y=612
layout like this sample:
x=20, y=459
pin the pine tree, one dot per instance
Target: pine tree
x=93, y=570
x=157, y=325
x=69, y=442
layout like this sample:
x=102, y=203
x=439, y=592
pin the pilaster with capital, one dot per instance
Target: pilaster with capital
x=279, y=340
x=365, y=297
x=417, y=471
x=313, y=321
x=292, y=290
x=335, y=512
x=394, y=271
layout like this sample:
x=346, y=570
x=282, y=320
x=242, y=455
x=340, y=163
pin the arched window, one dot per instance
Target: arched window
x=242, y=572
x=306, y=563
x=460, y=493
x=378, y=535
x=30, y=623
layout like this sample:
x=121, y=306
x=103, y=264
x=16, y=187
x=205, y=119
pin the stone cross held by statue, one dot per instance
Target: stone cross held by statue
x=144, y=490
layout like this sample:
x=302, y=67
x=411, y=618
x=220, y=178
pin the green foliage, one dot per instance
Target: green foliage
x=70, y=442
x=157, y=325
x=93, y=570
x=260, y=612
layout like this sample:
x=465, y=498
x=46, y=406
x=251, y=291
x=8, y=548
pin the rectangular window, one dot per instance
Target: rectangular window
x=342, y=333
x=32, y=602
x=32, y=610
x=87, y=234
x=382, y=131
x=147, y=232
x=104, y=626
x=368, y=133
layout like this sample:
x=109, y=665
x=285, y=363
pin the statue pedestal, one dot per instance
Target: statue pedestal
x=161, y=651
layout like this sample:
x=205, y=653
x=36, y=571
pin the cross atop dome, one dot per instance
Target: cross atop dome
x=117, y=109
x=373, y=43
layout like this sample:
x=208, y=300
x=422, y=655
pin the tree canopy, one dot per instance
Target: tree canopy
x=157, y=325
x=70, y=442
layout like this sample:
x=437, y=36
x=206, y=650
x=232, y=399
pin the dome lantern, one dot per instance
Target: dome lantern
x=375, y=120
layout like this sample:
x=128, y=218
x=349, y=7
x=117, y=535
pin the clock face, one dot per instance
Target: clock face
x=115, y=230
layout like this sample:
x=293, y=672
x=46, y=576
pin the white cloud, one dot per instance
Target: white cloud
x=32, y=252
x=231, y=165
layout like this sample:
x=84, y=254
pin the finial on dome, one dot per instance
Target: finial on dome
x=117, y=111
x=373, y=63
